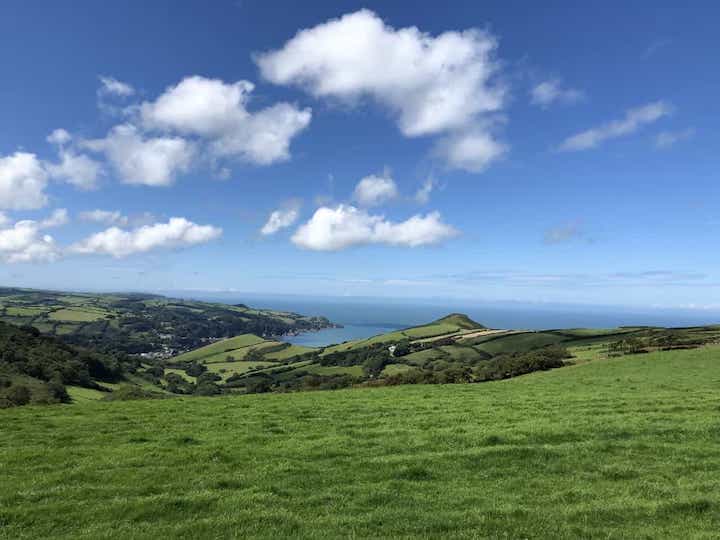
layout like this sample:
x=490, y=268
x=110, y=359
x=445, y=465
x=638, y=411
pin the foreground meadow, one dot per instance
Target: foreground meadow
x=625, y=447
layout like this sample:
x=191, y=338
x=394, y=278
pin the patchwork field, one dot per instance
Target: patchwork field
x=153, y=325
x=617, y=448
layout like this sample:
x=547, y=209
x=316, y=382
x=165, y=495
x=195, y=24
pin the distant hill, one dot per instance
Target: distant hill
x=461, y=321
x=37, y=369
x=143, y=324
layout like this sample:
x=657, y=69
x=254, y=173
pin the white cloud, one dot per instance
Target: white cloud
x=563, y=233
x=472, y=151
x=108, y=217
x=280, y=219
x=332, y=229
x=374, y=190
x=23, y=180
x=152, y=161
x=177, y=232
x=431, y=84
x=76, y=169
x=634, y=119
x=217, y=111
x=24, y=242
x=666, y=139
x=548, y=92
x=59, y=137
x=111, y=86
x=422, y=195
x=58, y=218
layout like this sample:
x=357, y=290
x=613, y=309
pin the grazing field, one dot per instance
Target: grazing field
x=619, y=448
x=222, y=348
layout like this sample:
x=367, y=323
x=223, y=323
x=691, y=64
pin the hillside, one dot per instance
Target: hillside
x=37, y=369
x=150, y=325
x=614, y=448
x=453, y=349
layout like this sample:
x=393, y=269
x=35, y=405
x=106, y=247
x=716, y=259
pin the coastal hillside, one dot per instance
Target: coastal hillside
x=620, y=447
x=453, y=349
x=152, y=326
x=36, y=369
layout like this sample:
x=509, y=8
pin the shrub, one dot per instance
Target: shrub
x=19, y=394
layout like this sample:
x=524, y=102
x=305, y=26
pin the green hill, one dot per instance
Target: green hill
x=37, y=369
x=461, y=321
x=143, y=324
x=622, y=447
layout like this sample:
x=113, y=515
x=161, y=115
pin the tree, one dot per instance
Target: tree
x=19, y=394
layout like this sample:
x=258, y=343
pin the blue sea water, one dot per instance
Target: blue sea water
x=365, y=317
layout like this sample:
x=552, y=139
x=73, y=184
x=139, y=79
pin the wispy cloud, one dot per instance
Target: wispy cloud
x=666, y=139
x=563, y=233
x=551, y=91
x=633, y=120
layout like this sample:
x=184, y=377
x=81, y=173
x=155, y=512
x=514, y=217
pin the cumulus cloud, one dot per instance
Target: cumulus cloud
x=58, y=218
x=76, y=169
x=633, y=120
x=280, y=219
x=216, y=110
x=332, y=229
x=422, y=195
x=59, y=137
x=111, y=86
x=24, y=241
x=666, y=139
x=107, y=217
x=23, y=180
x=431, y=84
x=374, y=190
x=176, y=233
x=472, y=151
x=153, y=161
x=548, y=92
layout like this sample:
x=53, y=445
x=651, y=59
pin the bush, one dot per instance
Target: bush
x=19, y=394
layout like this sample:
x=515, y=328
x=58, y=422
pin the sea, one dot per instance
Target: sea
x=363, y=317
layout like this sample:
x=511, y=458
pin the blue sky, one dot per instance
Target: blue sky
x=483, y=151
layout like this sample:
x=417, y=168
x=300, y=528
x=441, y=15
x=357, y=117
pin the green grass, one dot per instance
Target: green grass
x=233, y=368
x=394, y=369
x=77, y=315
x=519, y=342
x=620, y=448
x=431, y=330
x=83, y=395
x=182, y=373
x=24, y=311
x=457, y=353
x=355, y=371
x=220, y=347
x=286, y=354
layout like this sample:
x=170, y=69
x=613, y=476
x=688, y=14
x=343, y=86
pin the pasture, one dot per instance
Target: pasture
x=617, y=448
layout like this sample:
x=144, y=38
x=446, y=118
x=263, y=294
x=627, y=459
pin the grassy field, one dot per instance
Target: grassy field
x=220, y=348
x=619, y=448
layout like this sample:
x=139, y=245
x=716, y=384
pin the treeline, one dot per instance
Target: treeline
x=35, y=368
x=500, y=367
x=373, y=359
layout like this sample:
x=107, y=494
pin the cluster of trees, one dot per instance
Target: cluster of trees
x=499, y=367
x=38, y=368
x=630, y=345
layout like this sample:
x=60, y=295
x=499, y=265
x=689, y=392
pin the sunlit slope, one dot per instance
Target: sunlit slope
x=624, y=447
